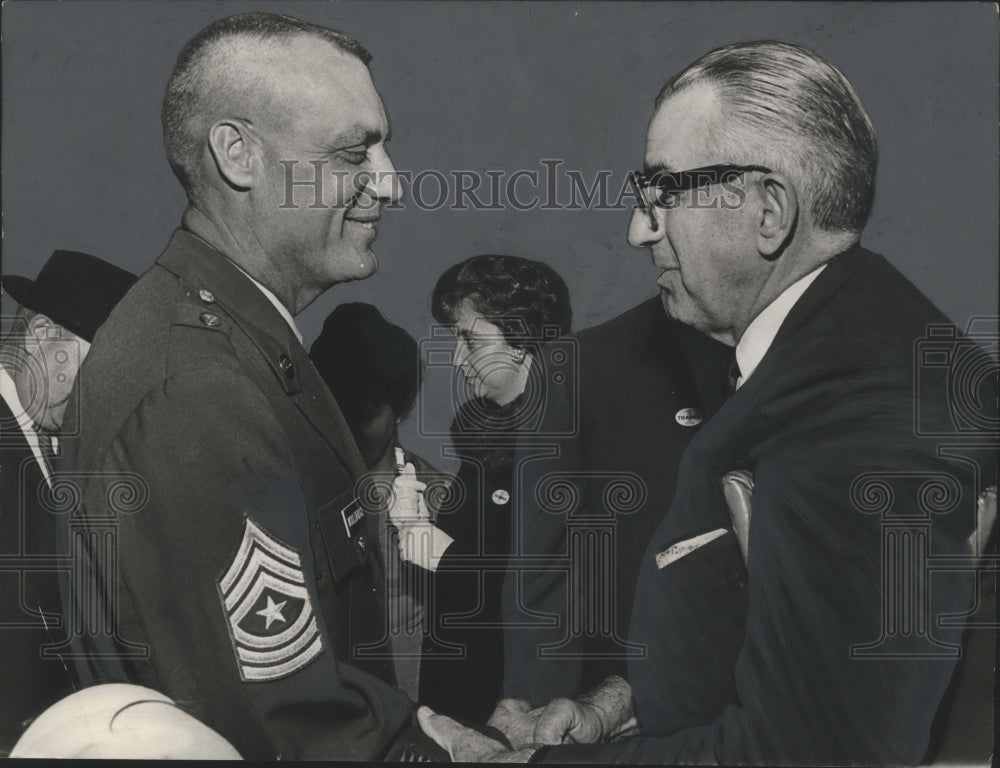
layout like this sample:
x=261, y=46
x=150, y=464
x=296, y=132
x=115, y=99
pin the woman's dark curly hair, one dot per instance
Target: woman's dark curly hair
x=526, y=299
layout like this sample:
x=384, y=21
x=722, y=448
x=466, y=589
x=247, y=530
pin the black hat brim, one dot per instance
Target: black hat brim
x=19, y=289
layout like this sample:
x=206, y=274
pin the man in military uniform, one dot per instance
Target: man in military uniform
x=241, y=573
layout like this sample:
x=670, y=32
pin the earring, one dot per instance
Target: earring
x=517, y=355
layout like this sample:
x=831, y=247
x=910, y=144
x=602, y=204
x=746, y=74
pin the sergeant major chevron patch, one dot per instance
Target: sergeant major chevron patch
x=271, y=619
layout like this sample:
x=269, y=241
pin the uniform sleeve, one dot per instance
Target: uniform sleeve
x=205, y=570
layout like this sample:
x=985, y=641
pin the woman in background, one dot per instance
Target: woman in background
x=503, y=311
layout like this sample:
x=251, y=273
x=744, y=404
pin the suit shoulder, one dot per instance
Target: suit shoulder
x=648, y=314
x=864, y=298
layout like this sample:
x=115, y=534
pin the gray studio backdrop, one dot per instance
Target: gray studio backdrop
x=503, y=87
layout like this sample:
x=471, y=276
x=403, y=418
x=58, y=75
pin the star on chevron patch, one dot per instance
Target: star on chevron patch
x=271, y=619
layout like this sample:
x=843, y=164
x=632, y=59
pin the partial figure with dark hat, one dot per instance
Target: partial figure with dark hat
x=60, y=312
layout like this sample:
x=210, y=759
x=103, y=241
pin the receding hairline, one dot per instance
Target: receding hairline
x=716, y=117
x=271, y=85
x=247, y=67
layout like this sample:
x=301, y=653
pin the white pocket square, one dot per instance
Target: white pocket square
x=686, y=547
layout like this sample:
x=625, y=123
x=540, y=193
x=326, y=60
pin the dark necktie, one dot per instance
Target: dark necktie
x=733, y=374
x=47, y=451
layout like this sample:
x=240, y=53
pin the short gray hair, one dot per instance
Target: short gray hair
x=804, y=118
x=190, y=88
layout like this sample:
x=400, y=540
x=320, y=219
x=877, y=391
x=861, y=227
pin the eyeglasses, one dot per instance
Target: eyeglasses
x=669, y=184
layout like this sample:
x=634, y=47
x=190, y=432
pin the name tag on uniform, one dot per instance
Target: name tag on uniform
x=352, y=514
x=686, y=547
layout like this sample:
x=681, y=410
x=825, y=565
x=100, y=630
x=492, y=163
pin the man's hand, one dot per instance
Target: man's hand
x=565, y=721
x=515, y=719
x=600, y=715
x=466, y=745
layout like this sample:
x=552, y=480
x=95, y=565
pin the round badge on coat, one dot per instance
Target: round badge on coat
x=501, y=496
x=688, y=417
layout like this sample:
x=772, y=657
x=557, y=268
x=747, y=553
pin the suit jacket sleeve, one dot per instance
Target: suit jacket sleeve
x=206, y=455
x=822, y=675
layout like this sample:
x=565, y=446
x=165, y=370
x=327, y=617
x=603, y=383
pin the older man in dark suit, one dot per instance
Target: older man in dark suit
x=60, y=311
x=826, y=647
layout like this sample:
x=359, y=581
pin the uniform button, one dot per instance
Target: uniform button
x=286, y=366
x=318, y=575
x=207, y=296
x=211, y=319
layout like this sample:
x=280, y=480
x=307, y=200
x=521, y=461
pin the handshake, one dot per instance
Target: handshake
x=602, y=715
x=420, y=541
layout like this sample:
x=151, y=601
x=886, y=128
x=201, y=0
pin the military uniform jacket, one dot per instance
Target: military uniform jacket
x=219, y=526
x=816, y=653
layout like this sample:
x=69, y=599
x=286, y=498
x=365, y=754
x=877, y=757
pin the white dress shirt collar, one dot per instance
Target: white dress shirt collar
x=759, y=335
x=282, y=309
x=8, y=391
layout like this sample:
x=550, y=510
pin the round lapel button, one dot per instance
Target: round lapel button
x=688, y=417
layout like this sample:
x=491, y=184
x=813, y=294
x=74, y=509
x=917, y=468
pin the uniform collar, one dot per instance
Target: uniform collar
x=215, y=280
x=209, y=272
x=275, y=301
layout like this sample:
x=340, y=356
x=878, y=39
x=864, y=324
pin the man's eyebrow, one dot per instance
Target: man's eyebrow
x=651, y=169
x=356, y=137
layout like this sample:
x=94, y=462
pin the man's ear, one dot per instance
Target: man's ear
x=235, y=151
x=779, y=213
